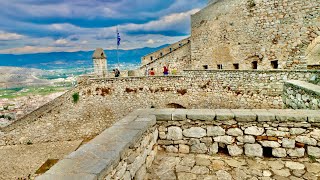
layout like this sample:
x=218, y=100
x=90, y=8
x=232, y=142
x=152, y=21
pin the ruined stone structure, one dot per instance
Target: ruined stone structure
x=253, y=34
x=99, y=62
x=241, y=112
x=128, y=148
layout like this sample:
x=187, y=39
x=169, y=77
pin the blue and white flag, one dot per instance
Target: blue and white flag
x=118, y=38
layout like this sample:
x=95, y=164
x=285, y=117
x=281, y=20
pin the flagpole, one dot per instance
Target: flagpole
x=118, y=47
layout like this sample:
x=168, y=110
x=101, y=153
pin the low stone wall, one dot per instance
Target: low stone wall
x=301, y=95
x=127, y=149
x=254, y=133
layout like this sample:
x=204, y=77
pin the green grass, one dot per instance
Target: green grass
x=27, y=91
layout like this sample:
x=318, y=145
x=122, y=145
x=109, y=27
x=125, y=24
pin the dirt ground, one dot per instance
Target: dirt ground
x=22, y=161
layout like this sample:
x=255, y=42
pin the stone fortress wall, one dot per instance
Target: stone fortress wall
x=250, y=34
x=128, y=148
x=149, y=58
x=241, y=32
x=178, y=58
x=103, y=101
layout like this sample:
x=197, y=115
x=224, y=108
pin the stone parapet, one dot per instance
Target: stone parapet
x=127, y=149
x=121, y=151
x=301, y=95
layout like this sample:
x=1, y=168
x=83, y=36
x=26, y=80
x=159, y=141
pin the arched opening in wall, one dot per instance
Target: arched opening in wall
x=205, y=66
x=170, y=49
x=219, y=66
x=161, y=54
x=313, y=54
x=175, y=105
x=151, y=58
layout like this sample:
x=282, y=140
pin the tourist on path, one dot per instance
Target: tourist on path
x=151, y=73
x=116, y=72
x=165, y=70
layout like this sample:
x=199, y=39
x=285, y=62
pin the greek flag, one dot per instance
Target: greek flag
x=118, y=38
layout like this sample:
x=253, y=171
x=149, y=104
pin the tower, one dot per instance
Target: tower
x=99, y=62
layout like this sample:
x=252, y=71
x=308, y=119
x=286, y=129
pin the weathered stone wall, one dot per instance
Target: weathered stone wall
x=128, y=148
x=178, y=58
x=164, y=51
x=102, y=101
x=240, y=32
x=301, y=95
x=254, y=133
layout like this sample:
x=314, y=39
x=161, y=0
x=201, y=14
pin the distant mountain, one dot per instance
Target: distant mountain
x=57, y=60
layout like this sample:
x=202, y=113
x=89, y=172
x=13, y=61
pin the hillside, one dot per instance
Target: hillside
x=15, y=76
x=78, y=59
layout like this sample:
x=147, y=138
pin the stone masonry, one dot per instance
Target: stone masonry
x=301, y=95
x=246, y=31
x=127, y=149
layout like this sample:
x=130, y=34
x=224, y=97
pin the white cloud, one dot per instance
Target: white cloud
x=150, y=41
x=61, y=42
x=27, y=49
x=10, y=36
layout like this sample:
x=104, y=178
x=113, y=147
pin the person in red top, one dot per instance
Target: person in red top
x=151, y=73
x=165, y=70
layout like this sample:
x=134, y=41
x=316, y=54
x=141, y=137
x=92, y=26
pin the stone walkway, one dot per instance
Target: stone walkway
x=221, y=167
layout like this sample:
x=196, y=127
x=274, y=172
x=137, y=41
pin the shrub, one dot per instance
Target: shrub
x=75, y=97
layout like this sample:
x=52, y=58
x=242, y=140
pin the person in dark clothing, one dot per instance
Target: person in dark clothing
x=116, y=72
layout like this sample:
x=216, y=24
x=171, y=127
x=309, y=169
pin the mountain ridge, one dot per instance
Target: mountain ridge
x=52, y=60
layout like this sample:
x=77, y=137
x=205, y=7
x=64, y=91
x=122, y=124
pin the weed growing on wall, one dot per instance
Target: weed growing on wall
x=75, y=97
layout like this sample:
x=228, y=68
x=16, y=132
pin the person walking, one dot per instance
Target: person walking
x=165, y=70
x=116, y=72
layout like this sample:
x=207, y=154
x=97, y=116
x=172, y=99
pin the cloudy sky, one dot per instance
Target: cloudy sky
x=30, y=26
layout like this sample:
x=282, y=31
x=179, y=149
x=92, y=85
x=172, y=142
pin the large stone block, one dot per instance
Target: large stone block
x=224, y=114
x=297, y=152
x=235, y=150
x=235, y=132
x=254, y=130
x=277, y=133
x=272, y=144
x=253, y=150
x=215, y=131
x=306, y=140
x=313, y=151
x=279, y=152
x=195, y=132
x=287, y=115
x=174, y=133
x=288, y=143
x=179, y=114
x=244, y=115
x=224, y=139
x=201, y=114
x=264, y=115
x=163, y=114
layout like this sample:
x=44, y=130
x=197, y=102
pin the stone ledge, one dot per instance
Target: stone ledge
x=97, y=158
x=305, y=86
